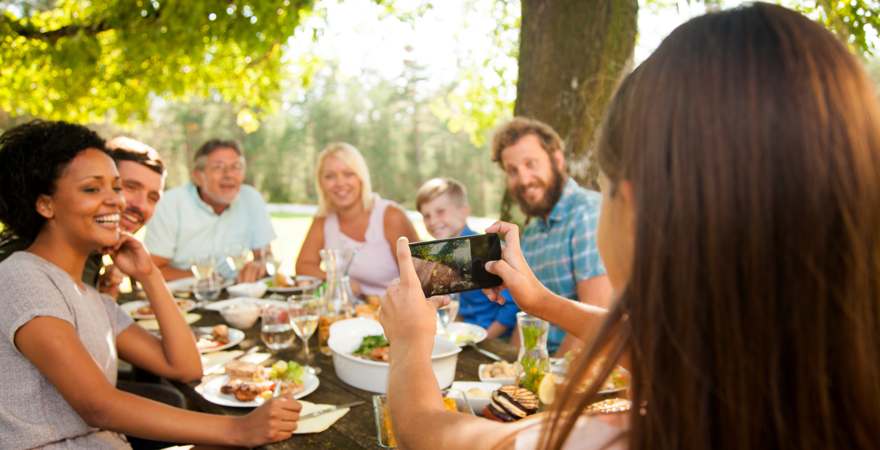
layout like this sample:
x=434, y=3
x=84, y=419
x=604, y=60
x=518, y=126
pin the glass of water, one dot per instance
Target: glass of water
x=305, y=309
x=207, y=284
x=275, y=328
x=447, y=314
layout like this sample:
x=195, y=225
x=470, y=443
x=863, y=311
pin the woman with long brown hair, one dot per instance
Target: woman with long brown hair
x=741, y=231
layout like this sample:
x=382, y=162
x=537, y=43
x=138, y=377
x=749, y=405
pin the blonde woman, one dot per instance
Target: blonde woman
x=351, y=215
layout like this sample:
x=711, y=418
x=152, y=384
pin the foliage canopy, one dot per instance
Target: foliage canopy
x=89, y=61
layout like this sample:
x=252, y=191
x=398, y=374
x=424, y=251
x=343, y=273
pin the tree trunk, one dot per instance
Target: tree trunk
x=572, y=53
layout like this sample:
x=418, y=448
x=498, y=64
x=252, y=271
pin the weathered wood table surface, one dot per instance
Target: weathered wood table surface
x=357, y=429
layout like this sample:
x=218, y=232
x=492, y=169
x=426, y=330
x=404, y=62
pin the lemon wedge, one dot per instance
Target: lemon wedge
x=547, y=389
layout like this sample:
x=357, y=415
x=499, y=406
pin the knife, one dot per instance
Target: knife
x=330, y=409
x=487, y=353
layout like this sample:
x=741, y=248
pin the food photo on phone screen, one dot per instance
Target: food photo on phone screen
x=455, y=265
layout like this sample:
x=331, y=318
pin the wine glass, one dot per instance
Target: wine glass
x=446, y=314
x=304, y=312
x=275, y=329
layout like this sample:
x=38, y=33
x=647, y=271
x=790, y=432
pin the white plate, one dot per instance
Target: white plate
x=314, y=283
x=462, y=333
x=206, y=344
x=185, y=285
x=211, y=391
x=217, y=306
x=131, y=307
x=153, y=324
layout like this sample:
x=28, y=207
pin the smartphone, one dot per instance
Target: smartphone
x=455, y=265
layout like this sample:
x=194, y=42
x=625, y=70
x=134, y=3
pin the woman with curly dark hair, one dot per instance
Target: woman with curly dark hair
x=60, y=195
x=740, y=227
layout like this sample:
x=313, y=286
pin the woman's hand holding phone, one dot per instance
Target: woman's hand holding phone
x=524, y=286
x=408, y=319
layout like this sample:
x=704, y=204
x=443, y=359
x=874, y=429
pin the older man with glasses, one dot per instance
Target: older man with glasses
x=213, y=216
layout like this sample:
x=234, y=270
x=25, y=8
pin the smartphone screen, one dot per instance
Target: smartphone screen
x=457, y=264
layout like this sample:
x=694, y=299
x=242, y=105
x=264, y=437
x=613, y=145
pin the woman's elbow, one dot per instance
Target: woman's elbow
x=95, y=411
x=188, y=375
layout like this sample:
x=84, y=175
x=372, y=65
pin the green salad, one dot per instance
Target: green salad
x=370, y=343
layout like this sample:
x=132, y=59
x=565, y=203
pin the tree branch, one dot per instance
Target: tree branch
x=52, y=36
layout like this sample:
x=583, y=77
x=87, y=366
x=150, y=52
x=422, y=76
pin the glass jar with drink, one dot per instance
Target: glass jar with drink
x=534, y=359
x=339, y=300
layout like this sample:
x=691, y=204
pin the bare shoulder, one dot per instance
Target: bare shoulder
x=395, y=216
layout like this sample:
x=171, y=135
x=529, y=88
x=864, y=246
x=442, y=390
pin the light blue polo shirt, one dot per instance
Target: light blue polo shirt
x=185, y=228
x=562, y=249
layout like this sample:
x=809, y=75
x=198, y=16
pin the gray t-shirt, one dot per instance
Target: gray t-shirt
x=32, y=412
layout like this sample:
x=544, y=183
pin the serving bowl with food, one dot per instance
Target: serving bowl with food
x=241, y=315
x=478, y=393
x=498, y=372
x=360, y=355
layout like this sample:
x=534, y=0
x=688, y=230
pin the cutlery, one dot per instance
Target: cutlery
x=330, y=409
x=486, y=353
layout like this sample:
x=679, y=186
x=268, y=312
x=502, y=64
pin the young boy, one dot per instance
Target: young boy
x=444, y=207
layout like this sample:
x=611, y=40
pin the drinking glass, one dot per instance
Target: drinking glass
x=236, y=258
x=207, y=284
x=447, y=314
x=305, y=309
x=275, y=329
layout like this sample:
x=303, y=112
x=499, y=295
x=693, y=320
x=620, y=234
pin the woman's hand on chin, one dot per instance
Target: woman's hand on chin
x=130, y=256
x=409, y=320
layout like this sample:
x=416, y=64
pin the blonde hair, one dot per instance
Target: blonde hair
x=352, y=158
x=436, y=187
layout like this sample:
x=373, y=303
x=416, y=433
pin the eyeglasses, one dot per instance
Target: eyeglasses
x=235, y=168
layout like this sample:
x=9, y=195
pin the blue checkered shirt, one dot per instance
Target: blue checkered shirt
x=562, y=250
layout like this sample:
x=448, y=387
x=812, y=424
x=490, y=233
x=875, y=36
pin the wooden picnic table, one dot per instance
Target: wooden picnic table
x=357, y=429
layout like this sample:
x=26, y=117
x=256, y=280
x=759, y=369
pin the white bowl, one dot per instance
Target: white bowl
x=503, y=380
x=476, y=402
x=345, y=338
x=242, y=315
x=256, y=289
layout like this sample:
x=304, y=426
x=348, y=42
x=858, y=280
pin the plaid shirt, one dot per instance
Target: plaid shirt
x=562, y=250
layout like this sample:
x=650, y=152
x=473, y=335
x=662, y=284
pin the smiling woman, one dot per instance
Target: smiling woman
x=60, y=195
x=351, y=215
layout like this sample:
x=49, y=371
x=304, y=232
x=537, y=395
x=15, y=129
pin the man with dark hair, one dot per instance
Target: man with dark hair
x=212, y=217
x=560, y=243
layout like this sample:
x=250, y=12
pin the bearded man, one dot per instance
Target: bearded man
x=559, y=242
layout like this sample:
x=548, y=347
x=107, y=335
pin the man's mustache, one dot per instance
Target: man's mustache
x=135, y=211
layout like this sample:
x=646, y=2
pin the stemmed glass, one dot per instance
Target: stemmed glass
x=304, y=312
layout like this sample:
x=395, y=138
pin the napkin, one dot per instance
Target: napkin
x=319, y=423
x=212, y=363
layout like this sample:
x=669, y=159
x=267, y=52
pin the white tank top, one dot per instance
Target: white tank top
x=374, y=266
